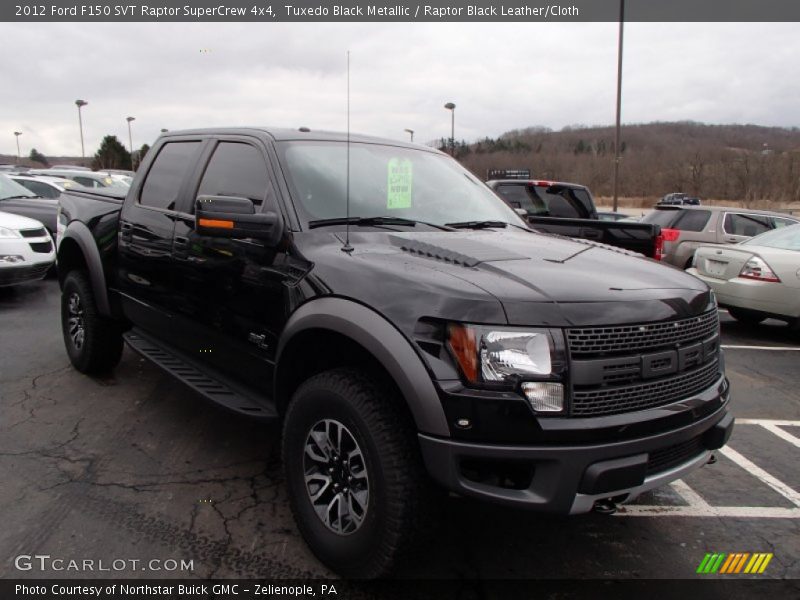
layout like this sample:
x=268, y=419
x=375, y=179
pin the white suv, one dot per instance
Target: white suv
x=26, y=250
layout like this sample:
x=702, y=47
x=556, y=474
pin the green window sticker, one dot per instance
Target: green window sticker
x=398, y=185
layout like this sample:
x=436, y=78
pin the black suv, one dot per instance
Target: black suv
x=406, y=326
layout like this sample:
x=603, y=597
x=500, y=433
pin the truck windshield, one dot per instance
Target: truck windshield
x=387, y=181
x=11, y=189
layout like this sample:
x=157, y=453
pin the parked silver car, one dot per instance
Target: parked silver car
x=684, y=228
x=756, y=279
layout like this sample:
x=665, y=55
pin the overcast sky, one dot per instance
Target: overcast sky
x=500, y=76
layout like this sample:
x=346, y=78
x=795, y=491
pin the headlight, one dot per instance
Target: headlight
x=504, y=354
x=508, y=356
x=6, y=233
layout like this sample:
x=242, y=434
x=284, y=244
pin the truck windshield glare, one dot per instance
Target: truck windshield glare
x=387, y=181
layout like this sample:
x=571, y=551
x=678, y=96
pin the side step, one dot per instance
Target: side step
x=213, y=387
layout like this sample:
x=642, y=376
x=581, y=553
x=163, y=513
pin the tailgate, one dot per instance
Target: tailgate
x=637, y=237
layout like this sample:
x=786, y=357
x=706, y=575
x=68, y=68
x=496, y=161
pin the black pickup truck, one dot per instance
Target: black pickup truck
x=569, y=209
x=425, y=338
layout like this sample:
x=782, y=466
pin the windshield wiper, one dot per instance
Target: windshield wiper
x=477, y=224
x=372, y=221
x=15, y=197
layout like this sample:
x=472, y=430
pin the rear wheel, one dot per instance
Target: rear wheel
x=746, y=316
x=94, y=342
x=356, y=482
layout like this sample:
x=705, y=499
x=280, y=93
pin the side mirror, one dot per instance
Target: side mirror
x=233, y=217
x=521, y=212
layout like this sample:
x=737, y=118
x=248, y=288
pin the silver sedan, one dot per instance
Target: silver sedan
x=756, y=279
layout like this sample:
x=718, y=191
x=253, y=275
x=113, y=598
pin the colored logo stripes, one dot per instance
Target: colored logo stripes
x=735, y=563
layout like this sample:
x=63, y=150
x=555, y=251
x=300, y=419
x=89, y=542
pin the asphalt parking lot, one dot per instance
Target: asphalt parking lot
x=135, y=466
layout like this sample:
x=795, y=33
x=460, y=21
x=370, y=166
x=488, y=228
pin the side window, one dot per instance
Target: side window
x=164, y=179
x=519, y=196
x=562, y=202
x=693, y=220
x=40, y=189
x=86, y=181
x=746, y=225
x=236, y=169
x=778, y=222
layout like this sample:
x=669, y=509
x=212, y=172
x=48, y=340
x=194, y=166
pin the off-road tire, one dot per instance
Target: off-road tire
x=746, y=316
x=101, y=347
x=399, y=489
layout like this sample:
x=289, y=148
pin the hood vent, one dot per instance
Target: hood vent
x=465, y=252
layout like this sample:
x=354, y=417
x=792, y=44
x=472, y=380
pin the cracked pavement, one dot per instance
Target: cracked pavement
x=136, y=466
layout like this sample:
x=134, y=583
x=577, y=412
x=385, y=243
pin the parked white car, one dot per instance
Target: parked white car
x=26, y=250
x=756, y=279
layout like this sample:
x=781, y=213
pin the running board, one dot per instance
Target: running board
x=213, y=387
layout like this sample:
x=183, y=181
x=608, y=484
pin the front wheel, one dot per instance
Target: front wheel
x=355, y=477
x=93, y=342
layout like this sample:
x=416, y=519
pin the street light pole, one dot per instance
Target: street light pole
x=130, y=137
x=617, y=152
x=452, y=108
x=410, y=132
x=16, y=135
x=80, y=104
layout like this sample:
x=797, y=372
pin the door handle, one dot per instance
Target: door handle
x=125, y=231
x=180, y=247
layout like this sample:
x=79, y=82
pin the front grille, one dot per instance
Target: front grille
x=11, y=275
x=615, y=400
x=672, y=456
x=33, y=233
x=588, y=341
x=42, y=247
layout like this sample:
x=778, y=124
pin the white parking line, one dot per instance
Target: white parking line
x=756, y=471
x=765, y=422
x=784, y=435
x=698, y=507
x=733, y=512
x=781, y=348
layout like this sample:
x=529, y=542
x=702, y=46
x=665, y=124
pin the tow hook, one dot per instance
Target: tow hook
x=605, y=507
x=712, y=460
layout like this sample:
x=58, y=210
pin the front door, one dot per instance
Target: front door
x=232, y=289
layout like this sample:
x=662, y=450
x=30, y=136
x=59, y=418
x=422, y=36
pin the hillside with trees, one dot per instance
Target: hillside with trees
x=745, y=163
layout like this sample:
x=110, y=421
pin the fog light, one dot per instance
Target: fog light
x=11, y=258
x=544, y=397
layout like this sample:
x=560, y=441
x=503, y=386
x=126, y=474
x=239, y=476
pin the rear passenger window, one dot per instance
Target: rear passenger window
x=746, y=225
x=519, y=196
x=664, y=218
x=693, y=220
x=563, y=202
x=161, y=188
x=86, y=182
x=236, y=169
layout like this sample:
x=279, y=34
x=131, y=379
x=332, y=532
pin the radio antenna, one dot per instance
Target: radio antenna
x=347, y=247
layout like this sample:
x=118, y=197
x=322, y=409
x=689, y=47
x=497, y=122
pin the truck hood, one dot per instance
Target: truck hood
x=537, y=278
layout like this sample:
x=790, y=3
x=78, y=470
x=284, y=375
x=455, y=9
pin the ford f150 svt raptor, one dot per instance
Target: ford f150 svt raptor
x=423, y=335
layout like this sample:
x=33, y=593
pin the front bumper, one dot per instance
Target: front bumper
x=570, y=478
x=22, y=274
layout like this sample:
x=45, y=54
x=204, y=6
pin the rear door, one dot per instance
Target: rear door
x=146, y=228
